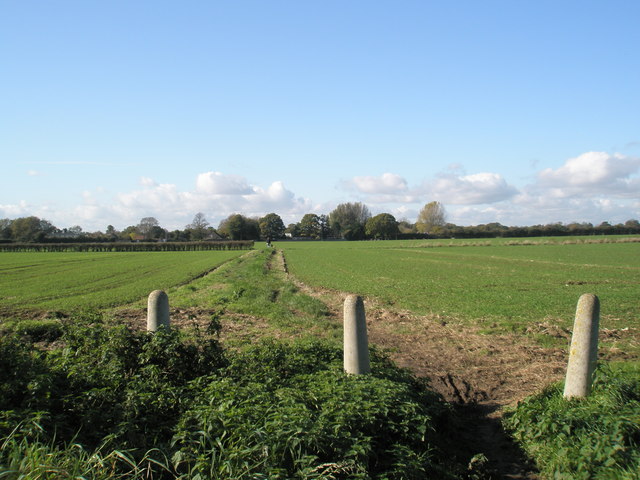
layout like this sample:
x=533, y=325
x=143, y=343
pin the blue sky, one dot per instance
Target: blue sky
x=518, y=112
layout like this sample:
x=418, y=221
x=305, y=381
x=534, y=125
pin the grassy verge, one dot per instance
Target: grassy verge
x=596, y=437
x=256, y=300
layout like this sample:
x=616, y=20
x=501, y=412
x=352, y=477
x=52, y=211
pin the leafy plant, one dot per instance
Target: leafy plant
x=106, y=383
x=595, y=437
x=114, y=403
x=289, y=411
x=46, y=330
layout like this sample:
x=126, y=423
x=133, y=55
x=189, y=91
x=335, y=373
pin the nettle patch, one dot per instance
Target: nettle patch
x=593, y=437
x=109, y=402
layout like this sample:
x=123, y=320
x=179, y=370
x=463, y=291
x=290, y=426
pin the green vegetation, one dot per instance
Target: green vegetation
x=82, y=394
x=252, y=288
x=502, y=281
x=596, y=437
x=126, y=246
x=67, y=281
x=513, y=284
x=112, y=403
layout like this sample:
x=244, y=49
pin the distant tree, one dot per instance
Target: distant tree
x=310, y=226
x=382, y=226
x=293, y=229
x=179, y=235
x=157, y=233
x=76, y=230
x=232, y=227
x=431, y=217
x=252, y=229
x=129, y=233
x=575, y=228
x=348, y=220
x=271, y=226
x=5, y=228
x=239, y=227
x=146, y=227
x=405, y=227
x=30, y=229
x=605, y=228
x=632, y=226
x=323, y=222
x=111, y=232
x=198, y=227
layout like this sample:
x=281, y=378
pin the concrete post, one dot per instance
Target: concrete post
x=356, y=344
x=157, y=310
x=583, y=353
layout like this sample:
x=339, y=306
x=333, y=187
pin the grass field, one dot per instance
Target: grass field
x=493, y=282
x=511, y=285
x=67, y=281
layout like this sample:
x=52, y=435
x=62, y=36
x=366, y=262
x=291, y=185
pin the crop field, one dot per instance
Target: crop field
x=66, y=281
x=508, y=284
x=250, y=384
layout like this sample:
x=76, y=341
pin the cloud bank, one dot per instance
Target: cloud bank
x=592, y=187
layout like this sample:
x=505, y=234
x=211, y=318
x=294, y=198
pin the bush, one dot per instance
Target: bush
x=37, y=330
x=595, y=437
x=126, y=404
x=289, y=411
x=23, y=372
x=106, y=382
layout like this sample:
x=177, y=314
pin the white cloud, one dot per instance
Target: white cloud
x=147, y=182
x=21, y=209
x=592, y=173
x=451, y=188
x=592, y=187
x=217, y=183
x=475, y=189
x=34, y=173
x=215, y=194
x=388, y=183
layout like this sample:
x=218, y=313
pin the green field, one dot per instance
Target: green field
x=66, y=281
x=500, y=281
x=186, y=392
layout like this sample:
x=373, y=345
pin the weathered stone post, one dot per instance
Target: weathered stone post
x=157, y=310
x=583, y=353
x=356, y=344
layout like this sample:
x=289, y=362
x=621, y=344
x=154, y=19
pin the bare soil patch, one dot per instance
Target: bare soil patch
x=234, y=326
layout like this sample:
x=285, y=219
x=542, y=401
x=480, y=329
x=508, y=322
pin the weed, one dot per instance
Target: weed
x=595, y=437
x=114, y=403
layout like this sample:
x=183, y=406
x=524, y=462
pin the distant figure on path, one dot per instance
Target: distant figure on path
x=269, y=241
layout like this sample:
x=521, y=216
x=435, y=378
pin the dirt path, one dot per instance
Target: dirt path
x=480, y=374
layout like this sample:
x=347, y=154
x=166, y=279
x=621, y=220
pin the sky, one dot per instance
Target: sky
x=518, y=112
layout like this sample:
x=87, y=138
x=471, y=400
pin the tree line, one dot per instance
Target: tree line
x=236, y=227
x=348, y=221
x=353, y=221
